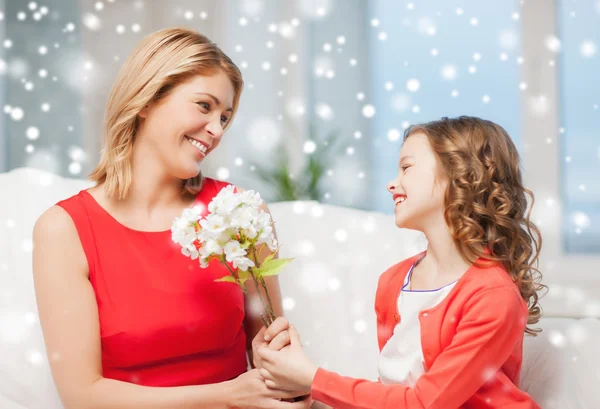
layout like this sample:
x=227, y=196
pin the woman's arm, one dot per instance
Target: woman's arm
x=70, y=323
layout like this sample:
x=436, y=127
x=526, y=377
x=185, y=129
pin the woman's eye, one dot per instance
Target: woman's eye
x=405, y=167
x=204, y=105
x=224, y=119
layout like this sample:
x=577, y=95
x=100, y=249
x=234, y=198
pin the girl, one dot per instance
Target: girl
x=128, y=321
x=450, y=320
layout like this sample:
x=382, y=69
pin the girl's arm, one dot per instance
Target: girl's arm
x=492, y=325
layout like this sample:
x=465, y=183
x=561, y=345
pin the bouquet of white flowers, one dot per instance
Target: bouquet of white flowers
x=234, y=232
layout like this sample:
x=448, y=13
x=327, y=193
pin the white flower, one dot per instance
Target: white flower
x=213, y=247
x=192, y=214
x=272, y=244
x=179, y=223
x=233, y=250
x=204, y=235
x=234, y=219
x=251, y=198
x=243, y=263
x=244, y=219
x=244, y=215
x=213, y=225
x=250, y=232
x=185, y=236
x=190, y=251
x=226, y=236
x=268, y=237
x=263, y=234
x=263, y=220
x=225, y=202
x=183, y=230
x=204, y=262
x=210, y=248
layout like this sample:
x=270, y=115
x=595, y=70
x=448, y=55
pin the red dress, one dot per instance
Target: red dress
x=164, y=321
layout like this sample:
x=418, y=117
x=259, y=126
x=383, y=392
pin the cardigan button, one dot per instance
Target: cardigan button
x=396, y=317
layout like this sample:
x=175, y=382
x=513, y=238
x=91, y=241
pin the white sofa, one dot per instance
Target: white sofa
x=328, y=293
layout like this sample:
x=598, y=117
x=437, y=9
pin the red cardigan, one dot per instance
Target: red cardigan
x=472, y=347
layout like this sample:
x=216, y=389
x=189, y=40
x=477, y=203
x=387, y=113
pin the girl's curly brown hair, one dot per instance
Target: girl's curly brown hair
x=486, y=202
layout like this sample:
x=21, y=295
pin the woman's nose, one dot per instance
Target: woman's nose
x=215, y=129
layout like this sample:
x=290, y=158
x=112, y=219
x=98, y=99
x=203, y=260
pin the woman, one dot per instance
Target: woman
x=128, y=321
x=450, y=320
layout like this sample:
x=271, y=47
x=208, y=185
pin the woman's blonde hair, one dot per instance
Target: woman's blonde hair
x=159, y=63
x=485, y=202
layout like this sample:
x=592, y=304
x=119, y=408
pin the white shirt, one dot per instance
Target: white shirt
x=401, y=359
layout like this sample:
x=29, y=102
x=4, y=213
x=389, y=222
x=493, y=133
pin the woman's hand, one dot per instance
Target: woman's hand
x=288, y=369
x=276, y=337
x=250, y=392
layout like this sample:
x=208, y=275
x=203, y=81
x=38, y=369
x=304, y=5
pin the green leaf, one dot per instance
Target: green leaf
x=272, y=267
x=230, y=279
x=226, y=279
x=268, y=258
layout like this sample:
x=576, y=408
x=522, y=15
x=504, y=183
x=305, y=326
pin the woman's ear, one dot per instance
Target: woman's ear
x=144, y=112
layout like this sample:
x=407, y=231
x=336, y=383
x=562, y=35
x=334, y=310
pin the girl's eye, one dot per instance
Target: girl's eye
x=224, y=120
x=405, y=167
x=204, y=105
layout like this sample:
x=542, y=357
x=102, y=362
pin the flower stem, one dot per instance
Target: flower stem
x=237, y=280
x=270, y=303
x=234, y=275
x=262, y=301
x=263, y=284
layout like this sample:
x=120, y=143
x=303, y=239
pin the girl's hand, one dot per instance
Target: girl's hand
x=289, y=369
x=275, y=337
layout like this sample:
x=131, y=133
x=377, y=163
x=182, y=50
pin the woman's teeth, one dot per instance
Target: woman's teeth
x=400, y=200
x=197, y=145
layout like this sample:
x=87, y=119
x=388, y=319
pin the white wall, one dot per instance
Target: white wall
x=3, y=141
x=573, y=279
